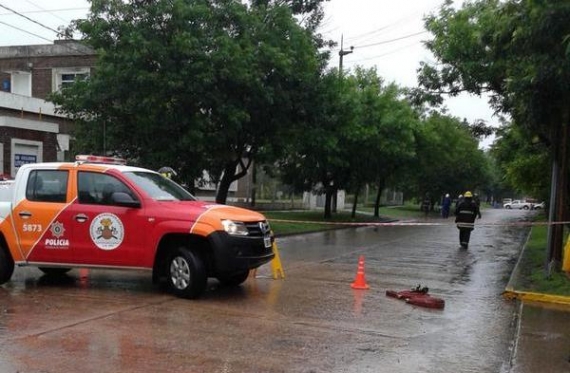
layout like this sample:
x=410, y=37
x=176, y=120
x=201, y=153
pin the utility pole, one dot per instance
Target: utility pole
x=341, y=54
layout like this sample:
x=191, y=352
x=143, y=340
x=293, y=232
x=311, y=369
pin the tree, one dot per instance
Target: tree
x=448, y=158
x=388, y=124
x=318, y=159
x=518, y=52
x=358, y=131
x=523, y=163
x=194, y=84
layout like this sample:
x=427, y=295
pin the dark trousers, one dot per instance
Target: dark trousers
x=464, y=235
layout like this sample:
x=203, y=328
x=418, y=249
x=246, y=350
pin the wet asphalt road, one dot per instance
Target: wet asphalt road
x=312, y=321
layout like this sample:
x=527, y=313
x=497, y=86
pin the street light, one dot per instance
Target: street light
x=341, y=54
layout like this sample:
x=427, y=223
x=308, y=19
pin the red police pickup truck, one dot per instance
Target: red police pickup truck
x=98, y=212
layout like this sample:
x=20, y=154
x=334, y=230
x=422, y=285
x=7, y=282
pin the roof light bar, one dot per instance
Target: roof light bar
x=100, y=159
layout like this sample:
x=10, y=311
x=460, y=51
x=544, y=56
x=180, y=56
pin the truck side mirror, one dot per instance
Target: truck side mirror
x=125, y=200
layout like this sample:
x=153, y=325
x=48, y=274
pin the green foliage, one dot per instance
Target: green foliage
x=214, y=85
x=314, y=158
x=382, y=137
x=524, y=163
x=193, y=84
x=516, y=51
x=357, y=131
x=449, y=160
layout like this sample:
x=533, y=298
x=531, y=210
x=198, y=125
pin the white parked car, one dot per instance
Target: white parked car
x=538, y=206
x=518, y=204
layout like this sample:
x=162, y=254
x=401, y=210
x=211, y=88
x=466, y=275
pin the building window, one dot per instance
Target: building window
x=64, y=77
x=21, y=83
x=68, y=79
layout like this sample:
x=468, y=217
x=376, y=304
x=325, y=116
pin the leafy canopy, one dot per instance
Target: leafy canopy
x=193, y=84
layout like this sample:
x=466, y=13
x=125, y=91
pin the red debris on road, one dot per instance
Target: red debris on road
x=418, y=297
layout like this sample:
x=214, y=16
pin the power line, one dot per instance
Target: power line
x=392, y=40
x=29, y=19
x=42, y=25
x=370, y=34
x=27, y=32
x=388, y=41
x=41, y=37
x=47, y=11
x=39, y=7
x=385, y=54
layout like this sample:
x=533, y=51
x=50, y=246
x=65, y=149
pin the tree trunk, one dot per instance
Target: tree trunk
x=562, y=188
x=334, y=200
x=558, y=195
x=230, y=176
x=254, y=185
x=227, y=178
x=353, y=214
x=377, y=202
x=328, y=202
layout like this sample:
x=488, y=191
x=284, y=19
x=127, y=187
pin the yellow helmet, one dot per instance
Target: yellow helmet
x=468, y=195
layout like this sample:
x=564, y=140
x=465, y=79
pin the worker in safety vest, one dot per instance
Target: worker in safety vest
x=465, y=214
x=167, y=172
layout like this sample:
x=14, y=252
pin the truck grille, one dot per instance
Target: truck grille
x=258, y=229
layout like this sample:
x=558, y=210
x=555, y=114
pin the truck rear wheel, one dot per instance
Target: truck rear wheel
x=6, y=266
x=186, y=274
x=234, y=279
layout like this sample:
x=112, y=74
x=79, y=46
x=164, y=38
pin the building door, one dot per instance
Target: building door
x=25, y=151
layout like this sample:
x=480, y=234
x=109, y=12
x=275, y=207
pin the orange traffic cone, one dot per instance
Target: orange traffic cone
x=360, y=280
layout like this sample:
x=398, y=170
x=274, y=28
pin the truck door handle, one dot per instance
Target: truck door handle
x=82, y=218
x=25, y=214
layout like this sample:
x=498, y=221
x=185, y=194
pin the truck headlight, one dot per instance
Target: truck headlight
x=235, y=228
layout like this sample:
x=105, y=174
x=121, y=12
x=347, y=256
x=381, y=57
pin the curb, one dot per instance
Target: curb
x=516, y=271
x=528, y=296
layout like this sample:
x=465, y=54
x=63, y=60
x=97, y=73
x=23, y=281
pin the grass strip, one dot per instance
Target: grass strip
x=533, y=276
x=312, y=221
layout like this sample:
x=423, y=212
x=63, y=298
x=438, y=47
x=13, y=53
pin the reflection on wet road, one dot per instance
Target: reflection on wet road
x=313, y=321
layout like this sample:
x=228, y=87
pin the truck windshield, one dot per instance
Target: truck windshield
x=159, y=187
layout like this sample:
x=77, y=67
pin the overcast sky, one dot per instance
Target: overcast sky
x=386, y=34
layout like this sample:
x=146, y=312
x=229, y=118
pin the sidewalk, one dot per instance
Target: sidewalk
x=542, y=339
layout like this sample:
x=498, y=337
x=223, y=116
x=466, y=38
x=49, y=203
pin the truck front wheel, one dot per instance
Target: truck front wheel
x=186, y=274
x=6, y=266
